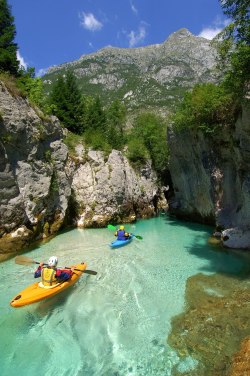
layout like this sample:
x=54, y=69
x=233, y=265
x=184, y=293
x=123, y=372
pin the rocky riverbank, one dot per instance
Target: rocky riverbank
x=214, y=324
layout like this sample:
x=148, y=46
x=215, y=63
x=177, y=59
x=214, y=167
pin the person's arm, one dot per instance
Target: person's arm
x=63, y=274
x=38, y=271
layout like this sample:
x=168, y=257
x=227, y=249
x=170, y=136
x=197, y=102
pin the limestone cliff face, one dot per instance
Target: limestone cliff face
x=41, y=188
x=108, y=189
x=34, y=187
x=211, y=179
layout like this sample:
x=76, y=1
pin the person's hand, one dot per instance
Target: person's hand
x=41, y=264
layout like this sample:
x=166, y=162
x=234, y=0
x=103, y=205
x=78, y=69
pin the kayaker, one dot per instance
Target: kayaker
x=122, y=234
x=50, y=274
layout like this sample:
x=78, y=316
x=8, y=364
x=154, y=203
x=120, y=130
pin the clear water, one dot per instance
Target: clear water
x=114, y=323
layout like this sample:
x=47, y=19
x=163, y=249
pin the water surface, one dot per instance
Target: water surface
x=115, y=323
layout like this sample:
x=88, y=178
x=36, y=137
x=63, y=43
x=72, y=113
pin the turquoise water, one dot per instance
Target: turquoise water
x=115, y=323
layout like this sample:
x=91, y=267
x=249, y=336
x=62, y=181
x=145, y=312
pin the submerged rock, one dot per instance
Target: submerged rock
x=241, y=360
x=215, y=322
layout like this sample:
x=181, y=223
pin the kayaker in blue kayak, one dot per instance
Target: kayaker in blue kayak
x=122, y=234
x=50, y=274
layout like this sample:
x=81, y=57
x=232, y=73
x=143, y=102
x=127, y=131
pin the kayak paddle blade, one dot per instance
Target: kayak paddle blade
x=138, y=237
x=111, y=227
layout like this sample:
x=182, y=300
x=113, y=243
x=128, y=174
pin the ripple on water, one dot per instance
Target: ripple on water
x=115, y=323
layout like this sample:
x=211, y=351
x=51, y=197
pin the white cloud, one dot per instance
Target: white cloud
x=209, y=32
x=217, y=26
x=133, y=8
x=22, y=63
x=136, y=37
x=89, y=22
x=41, y=72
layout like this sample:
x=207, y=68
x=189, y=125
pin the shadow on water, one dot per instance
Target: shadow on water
x=171, y=220
x=222, y=260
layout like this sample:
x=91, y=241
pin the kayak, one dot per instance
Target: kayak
x=34, y=293
x=120, y=243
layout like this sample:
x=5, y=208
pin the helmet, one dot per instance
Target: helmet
x=121, y=228
x=53, y=260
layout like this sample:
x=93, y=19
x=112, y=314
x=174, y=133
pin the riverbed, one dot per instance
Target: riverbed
x=117, y=322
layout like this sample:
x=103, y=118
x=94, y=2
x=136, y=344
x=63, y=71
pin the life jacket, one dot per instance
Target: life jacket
x=122, y=235
x=49, y=277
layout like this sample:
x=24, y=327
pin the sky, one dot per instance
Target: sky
x=53, y=32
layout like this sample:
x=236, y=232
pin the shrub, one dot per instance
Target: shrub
x=208, y=107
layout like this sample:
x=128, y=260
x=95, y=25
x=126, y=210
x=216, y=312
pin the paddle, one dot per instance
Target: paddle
x=23, y=260
x=110, y=227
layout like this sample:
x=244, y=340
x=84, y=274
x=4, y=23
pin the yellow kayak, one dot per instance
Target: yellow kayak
x=34, y=293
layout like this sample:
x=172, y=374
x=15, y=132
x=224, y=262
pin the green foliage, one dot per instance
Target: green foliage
x=11, y=84
x=94, y=138
x=96, y=116
x=32, y=87
x=207, y=107
x=149, y=137
x=66, y=103
x=116, y=116
x=8, y=49
x=72, y=140
x=234, y=46
x=238, y=11
x=137, y=152
x=237, y=75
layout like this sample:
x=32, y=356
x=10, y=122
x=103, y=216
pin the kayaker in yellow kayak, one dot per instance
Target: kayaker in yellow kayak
x=122, y=234
x=51, y=276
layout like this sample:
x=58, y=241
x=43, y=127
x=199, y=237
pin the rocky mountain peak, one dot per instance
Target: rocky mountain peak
x=155, y=76
x=180, y=34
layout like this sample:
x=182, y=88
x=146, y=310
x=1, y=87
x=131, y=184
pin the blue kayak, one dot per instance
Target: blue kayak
x=120, y=243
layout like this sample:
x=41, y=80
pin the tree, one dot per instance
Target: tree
x=74, y=104
x=234, y=46
x=238, y=11
x=66, y=102
x=8, y=49
x=116, y=116
x=150, y=131
x=208, y=107
x=96, y=117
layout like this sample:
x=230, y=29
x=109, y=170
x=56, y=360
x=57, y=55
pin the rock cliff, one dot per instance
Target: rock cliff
x=211, y=178
x=108, y=189
x=34, y=186
x=42, y=188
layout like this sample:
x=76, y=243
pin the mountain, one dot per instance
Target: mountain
x=145, y=77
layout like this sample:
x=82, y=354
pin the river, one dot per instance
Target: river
x=117, y=322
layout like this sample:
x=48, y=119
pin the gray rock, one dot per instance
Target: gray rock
x=211, y=178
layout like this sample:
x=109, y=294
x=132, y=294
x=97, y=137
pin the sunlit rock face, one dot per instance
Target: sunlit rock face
x=214, y=324
x=107, y=188
x=42, y=188
x=34, y=187
x=211, y=178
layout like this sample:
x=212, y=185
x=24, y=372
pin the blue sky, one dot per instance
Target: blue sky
x=52, y=32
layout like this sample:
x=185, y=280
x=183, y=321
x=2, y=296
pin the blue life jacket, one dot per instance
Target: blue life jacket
x=121, y=235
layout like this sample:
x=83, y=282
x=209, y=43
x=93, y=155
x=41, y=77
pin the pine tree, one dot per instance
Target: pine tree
x=116, y=116
x=66, y=103
x=96, y=119
x=74, y=103
x=8, y=49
